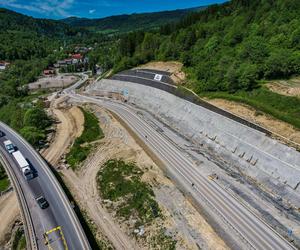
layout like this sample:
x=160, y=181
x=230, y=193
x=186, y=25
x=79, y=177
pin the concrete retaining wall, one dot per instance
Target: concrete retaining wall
x=260, y=154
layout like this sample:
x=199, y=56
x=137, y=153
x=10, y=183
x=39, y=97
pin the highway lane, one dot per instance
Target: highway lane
x=59, y=220
x=252, y=229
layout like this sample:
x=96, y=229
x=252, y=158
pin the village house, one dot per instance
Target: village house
x=49, y=72
x=3, y=65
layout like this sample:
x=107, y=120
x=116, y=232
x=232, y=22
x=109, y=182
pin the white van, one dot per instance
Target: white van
x=9, y=146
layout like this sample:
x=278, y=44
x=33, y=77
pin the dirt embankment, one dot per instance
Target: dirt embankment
x=69, y=125
x=286, y=87
x=9, y=214
x=53, y=82
x=182, y=221
x=279, y=127
x=175, y=68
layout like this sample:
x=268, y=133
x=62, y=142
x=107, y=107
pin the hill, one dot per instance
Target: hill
x=13, y=21
x=228, y=51
x=126, y=23
x=25, y=37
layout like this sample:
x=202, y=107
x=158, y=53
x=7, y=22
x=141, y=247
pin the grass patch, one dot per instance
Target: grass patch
x=285, y=108
x=4, y=181
x=92, y=132
x=164, y=241
x=121, y=183
x=19, y=242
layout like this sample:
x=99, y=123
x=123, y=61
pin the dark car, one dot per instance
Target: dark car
x=43, y=203
x=2, y=133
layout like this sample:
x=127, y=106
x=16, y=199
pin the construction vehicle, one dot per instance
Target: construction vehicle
x=23, y=165
x=213, y=177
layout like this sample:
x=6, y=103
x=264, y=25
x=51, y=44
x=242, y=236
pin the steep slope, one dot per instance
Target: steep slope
x=229, y=46
x=228, y=51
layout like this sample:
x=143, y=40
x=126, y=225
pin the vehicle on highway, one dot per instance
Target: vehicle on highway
x=9, y=146
x=23, y=164
x=2, y=133
x=42, y=202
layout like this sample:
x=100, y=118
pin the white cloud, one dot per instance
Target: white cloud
x=47, y=7
x=92, y=11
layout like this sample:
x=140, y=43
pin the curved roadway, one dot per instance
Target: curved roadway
x=255, y=233
x=58, y=224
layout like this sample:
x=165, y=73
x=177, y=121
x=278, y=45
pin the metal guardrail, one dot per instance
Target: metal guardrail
x=58, y=188
x=28, y=223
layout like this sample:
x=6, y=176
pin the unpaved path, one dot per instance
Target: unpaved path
x=53, y=82
x=9, y=213
x=286, y=87
x=279, y=127
x=70, y=126
x=182, y=219
x=191, y=230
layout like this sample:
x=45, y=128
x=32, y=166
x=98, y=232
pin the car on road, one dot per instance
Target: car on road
x=42, y=202
x=9, y=146
x=2, y=133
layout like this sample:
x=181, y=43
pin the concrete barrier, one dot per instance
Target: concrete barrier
x=260, y=156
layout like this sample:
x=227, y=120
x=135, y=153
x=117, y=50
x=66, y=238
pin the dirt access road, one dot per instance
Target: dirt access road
x=279, y=127
x=183, y=220
x=9, y=214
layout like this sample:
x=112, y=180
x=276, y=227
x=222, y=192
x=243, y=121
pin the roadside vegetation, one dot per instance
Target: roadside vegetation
x=121, y=182
x=133, y=201
x=19, y=241
x=81, y=148
x=4, y=181
x=285, y=108
x=16, y=103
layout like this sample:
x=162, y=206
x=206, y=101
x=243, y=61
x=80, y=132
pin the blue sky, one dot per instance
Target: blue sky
x=94, y=9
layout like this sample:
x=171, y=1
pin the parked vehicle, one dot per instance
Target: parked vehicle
x=9, y=146
x=2, y=133
x=42, y=202
x=23, y=164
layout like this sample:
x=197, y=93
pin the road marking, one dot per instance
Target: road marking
x=47, y=242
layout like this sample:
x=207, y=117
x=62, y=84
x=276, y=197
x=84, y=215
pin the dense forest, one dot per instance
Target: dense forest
x=225, y=47
x=227, y=50
x=126, y=23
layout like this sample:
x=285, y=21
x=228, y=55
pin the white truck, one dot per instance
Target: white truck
x=23, y=164
x=9, y=146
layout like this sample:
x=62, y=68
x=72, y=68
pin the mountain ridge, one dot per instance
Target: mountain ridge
x=129, y=22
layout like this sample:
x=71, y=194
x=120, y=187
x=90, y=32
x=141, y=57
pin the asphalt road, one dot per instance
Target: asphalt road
x=58, y=220
x=252, y=230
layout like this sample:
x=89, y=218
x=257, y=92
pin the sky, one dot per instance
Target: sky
x=56, y=9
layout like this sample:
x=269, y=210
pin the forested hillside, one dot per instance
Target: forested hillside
x=227, y=47
x=126, y=23
x=24, y=37
x=228, y=52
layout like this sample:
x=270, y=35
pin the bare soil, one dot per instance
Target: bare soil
x=279, y=127
x=182, y=221
x=175, y=68
x=53, y=82
x=286, y=87
x=70, y=122
x=9, y=214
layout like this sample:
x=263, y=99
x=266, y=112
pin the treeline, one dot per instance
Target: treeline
x=16, y=107
x=25, y=46
x=225, y=47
